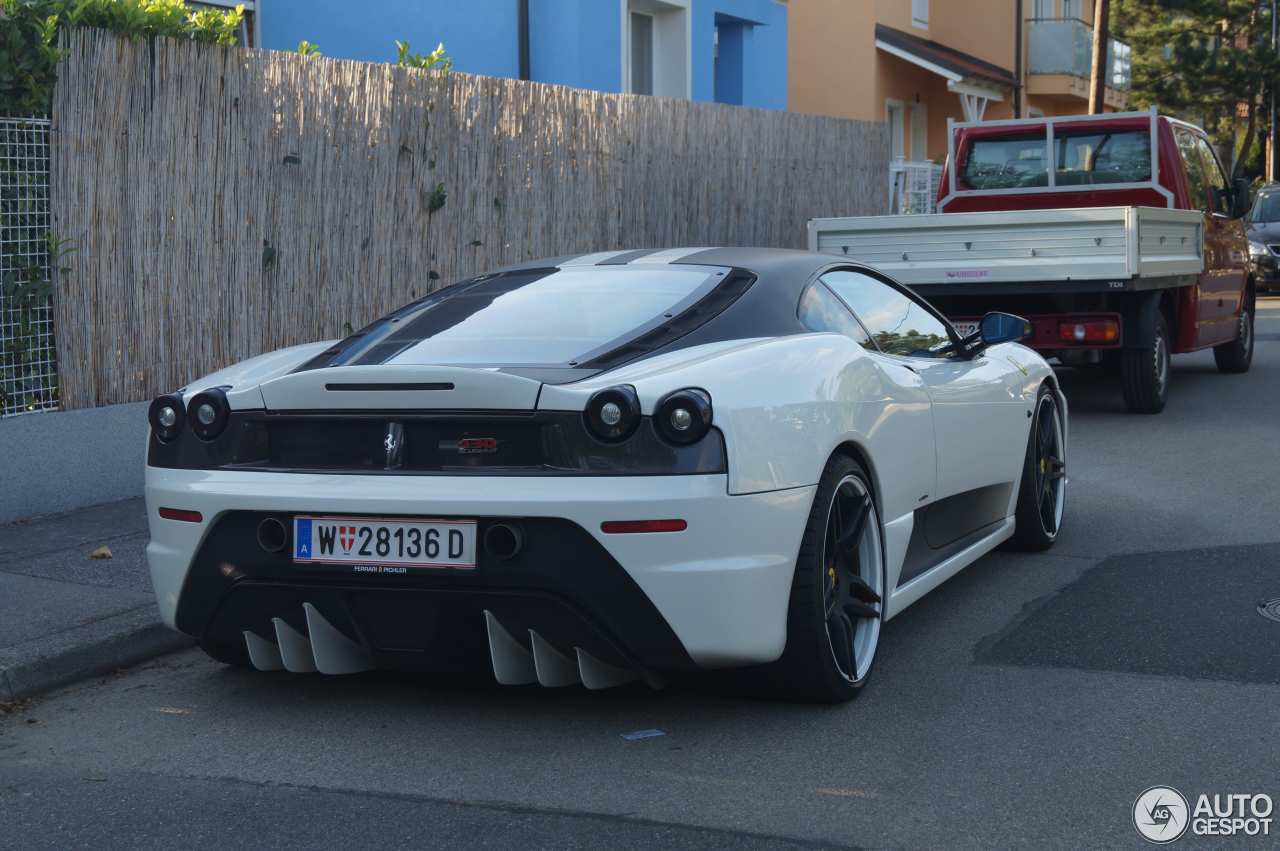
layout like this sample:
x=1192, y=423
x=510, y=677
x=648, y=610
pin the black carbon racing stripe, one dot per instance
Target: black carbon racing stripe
x=623, y=259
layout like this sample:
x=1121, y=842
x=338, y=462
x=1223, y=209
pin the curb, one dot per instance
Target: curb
x=89, y=650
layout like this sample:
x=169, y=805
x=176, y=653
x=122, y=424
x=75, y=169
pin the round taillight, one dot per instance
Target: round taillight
x=166, y=417
x=208, y=413
x=613, y=414
x=683, y=417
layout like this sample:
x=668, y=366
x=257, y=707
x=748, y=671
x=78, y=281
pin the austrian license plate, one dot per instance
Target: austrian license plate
x=375, y=545
x=965, y=328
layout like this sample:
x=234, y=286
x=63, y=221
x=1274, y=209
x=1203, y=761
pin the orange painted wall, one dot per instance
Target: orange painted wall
x=835, y=68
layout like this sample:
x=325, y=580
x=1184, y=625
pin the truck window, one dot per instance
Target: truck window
x=1216, y=181
x=1007, y=163
x=1087, y=158
x=1193, y=162
x=899, y=324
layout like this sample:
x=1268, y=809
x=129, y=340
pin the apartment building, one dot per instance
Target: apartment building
x=916, y=63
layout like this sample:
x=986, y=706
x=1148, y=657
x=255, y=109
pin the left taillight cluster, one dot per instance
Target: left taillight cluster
x=681, y=418
x=207, y=414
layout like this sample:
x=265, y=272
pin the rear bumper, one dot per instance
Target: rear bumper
x=713, y=595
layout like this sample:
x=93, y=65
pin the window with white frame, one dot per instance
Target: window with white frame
x=655, y=46
x=920, y=14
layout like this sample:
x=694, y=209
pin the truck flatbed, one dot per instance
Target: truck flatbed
x=1058, y=250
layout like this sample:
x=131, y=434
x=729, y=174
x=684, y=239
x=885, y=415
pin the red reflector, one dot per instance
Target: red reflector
x=627, y=527
x=181, y=514
x=1089, y=331
x=471, y=445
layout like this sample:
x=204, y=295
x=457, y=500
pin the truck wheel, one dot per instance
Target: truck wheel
x=1238, y=354
x=1144, y=373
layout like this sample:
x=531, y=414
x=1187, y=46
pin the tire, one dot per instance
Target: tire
x=1042, y=491
x=814, y=666
x=1144, y=373
x=1236, y=356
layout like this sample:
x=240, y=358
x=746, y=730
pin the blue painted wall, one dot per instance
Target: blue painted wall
x=575, y=43
x=757, y=31
x=480, y=35
x=572, y=42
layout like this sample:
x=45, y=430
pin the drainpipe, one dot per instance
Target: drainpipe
x=1017, y=61
x=522, y=37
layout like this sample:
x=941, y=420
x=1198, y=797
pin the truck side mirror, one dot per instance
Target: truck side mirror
x=1240, y=189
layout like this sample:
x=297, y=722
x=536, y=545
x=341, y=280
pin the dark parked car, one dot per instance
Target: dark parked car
x=1264, y=238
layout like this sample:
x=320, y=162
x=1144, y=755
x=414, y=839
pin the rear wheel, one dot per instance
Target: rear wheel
x=1237, y=355
x=1144, y=373
x=1042, y=495
x=836, y=610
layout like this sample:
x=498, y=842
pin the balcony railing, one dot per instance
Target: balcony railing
x=1065, y=46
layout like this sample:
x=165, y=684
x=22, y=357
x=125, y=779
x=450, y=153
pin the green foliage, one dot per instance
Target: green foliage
x=436, y=60
x=306, y=48
x=1207, y=60
x=29, y=38
x=26, y=290
x=436, y=199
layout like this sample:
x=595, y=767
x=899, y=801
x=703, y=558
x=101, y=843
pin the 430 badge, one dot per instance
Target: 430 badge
x=378, y=545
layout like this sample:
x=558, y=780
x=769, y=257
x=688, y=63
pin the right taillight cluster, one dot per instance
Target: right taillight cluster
x=680, y=418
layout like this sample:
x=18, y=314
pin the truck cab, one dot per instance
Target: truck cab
x=1119, y=236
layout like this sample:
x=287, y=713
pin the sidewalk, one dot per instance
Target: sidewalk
x=65, y=616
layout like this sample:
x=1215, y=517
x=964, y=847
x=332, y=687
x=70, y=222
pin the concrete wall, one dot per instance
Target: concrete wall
x=65, y=460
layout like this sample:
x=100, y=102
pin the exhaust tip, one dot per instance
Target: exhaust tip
x=272, y=535
x=503, y=540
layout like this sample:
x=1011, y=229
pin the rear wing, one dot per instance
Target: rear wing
x=953, y=190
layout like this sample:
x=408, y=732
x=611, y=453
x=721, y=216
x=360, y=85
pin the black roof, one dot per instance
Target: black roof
x=757, y=297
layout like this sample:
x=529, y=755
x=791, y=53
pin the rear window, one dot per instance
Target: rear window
x=1082, y=158
x=544, y=317
x=1121, y=156
x=1007, y=163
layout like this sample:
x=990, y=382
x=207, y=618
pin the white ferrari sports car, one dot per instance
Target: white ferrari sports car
x=604, y=468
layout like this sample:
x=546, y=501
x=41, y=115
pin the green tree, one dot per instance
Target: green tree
x=1210, y=61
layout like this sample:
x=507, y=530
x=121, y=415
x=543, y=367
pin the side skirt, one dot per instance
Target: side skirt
x=925, y=582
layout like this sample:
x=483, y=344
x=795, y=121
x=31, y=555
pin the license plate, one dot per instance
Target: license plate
x=384, y=546
x=965, y=328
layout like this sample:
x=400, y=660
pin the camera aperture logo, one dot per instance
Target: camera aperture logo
x=1161, y=814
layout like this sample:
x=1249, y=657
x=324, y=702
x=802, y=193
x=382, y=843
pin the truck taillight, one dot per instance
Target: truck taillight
x=1089, y=331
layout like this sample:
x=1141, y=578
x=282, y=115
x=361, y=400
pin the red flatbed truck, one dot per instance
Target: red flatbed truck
x=1119, y=236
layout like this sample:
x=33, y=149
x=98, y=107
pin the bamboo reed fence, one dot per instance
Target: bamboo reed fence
x=226, y=202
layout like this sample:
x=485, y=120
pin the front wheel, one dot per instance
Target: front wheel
x=1042, y=494
x=1236, y=356
x=1144, y=373
x=837, y=593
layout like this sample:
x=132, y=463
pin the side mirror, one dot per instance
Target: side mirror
x=1001, y=328
x=1240, y=189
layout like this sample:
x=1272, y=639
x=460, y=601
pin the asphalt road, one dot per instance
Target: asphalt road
x=1026, y=703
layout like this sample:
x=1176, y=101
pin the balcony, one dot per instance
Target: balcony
x=1060, y=60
